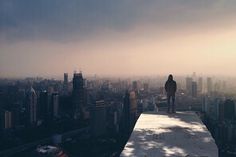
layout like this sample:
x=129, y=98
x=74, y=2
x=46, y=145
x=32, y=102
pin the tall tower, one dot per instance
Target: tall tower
x=65, y=83
x=209, y=84
x=98, y=118
x=189, y=81
x=32, y=105
x=43, y=106
x=133, y=105
x=194, y=89
x=78, y=94
x=229, y=109
x=126, y=112
x=135, y=86
x=129, y=110
x=55, y=105
x=200, y=85
x=7, y=119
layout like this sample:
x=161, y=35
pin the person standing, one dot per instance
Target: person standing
x=170, y=87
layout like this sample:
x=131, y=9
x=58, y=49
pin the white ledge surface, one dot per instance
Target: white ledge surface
x=170, y=135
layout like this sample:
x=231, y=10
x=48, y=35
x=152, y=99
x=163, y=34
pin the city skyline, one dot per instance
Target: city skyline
x=123, y=38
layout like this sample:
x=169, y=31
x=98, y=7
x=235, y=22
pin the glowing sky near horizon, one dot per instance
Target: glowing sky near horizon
x=120, y=38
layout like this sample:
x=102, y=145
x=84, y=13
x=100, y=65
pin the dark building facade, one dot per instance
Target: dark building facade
x=43, y=106
x=126, y=112
x=65, y=84
x=229, y=109
x=129, y=111
x=98, y=118
x=31, y=106
x=194, y=89
x=78, y=95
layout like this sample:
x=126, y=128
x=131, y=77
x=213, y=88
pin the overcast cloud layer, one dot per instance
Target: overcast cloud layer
x=32, y=29
x=63, y=19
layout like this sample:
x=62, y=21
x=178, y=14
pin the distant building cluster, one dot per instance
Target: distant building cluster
x=220, y=117
x=33, y=109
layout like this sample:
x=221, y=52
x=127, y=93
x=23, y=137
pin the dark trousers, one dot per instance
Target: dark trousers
x=171, y=105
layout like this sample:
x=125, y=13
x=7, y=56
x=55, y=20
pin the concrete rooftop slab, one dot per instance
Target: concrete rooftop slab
x=170, y=135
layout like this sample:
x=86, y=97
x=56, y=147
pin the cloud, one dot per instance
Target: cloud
x=62, y=20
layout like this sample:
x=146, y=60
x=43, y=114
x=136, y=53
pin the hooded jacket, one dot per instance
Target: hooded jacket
x=170, y=86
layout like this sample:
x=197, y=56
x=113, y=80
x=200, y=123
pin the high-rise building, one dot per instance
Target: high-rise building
x=78, y=95
x=229, y=109
x=43, y=106
x=194, y=89
x=200, y=85
x=135, y=86
x=205, y=104
x=129, y=110
x=218, y=104
x=133, y=105
x=7, y=119
x=126, y=112
x=99, y=118
x=209, y=85
x=65, y=78
x=55, y=105
x=65, y=83
x=32, y=105
x=221, y=111
x=189, y=81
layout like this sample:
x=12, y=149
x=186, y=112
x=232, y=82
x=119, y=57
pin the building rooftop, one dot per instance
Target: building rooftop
x=170, y=135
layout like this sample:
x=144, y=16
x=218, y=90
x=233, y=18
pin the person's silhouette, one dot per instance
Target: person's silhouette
x=170, y=87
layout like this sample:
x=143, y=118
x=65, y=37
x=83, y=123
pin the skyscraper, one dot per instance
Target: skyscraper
x=7, y=119
x=135, y=86
x=189, y=81
x=221, y=111
x=65, y=84
x=43, y=106
x=209, y=85
x=200, y=85
x=229, y=109
x=32, y=105
x=78, y=95
x=133, y=105
x=126, y=113
x=129, y=110
x=99, y=118
x=55, y=105
x=194, y=89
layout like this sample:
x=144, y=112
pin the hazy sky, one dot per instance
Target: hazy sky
x=117, y=37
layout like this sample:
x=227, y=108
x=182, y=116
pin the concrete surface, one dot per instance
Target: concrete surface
x=170, y=135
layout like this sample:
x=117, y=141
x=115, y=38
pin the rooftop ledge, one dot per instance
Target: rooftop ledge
x=170, y=135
